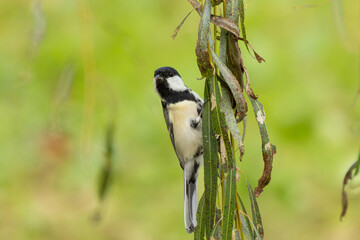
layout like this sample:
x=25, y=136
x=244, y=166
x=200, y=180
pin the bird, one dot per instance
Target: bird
x=182, y=109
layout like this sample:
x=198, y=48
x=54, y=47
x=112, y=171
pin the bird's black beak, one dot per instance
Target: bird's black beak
x=158, y=77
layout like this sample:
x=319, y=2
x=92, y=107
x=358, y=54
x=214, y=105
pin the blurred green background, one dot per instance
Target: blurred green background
x=68, y=68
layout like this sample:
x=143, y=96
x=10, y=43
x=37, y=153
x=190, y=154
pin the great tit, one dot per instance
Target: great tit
x=182, y=110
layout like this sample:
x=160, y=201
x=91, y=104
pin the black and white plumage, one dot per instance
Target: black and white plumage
x=182, y=109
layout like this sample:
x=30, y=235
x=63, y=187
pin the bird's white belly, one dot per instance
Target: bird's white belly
x=187, y=139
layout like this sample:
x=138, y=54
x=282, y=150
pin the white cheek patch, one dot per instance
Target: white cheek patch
x=176, y=83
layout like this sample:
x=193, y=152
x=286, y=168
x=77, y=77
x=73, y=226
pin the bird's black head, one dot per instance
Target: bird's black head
x=169, y=85
x=166, y=72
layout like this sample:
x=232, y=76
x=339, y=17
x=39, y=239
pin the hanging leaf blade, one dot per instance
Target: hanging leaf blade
x=203, y=58
x=233, y=84
x=243, y=30
x=255, y=211
x=200, y=217
x=268, y=149
x=220, y=126
x=230, y=119
x=350, y=174
x=232, y=10
x=245, y=221
x=229, y=207
x=210, y=161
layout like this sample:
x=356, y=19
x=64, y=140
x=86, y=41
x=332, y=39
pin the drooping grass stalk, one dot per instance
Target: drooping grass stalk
x=350, y=174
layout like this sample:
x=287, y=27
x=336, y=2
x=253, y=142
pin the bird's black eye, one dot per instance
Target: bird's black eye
x=171, y=74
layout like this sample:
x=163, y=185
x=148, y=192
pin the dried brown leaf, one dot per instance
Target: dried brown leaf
x=233, y=84
x=203, y=58
x=268, y=149
x=234, y=58
x=352, y=172
x=248, y=89
x=182, y=22
x=225, y=24
x=217, y=20
x=257, y=56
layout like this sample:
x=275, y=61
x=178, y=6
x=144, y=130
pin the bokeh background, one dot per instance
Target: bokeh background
x=68, y=69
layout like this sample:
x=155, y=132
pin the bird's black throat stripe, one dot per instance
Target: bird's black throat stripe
x=170, y=96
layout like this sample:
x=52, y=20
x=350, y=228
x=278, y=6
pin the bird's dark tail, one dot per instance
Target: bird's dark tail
x=190, y=195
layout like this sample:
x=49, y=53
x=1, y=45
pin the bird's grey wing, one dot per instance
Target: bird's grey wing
x=197, y=97
x=171, y=132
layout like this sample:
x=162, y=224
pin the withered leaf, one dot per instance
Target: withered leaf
x=182, y=22
x=352, y=172
x=218, y=20
x=203, y=58
x=233, y=84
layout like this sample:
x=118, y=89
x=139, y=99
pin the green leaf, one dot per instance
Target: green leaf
x=350, y=174
x=201, y=218
x=210, y=161
x=216, y=114
x=250, y=229
x=233, y=84
x=230, y=119
x=245, y=221
x=242, y=23
x=255, y=211
x=229, y=207
x=203, y=58
x=232, y=10
x=246, y=227
x=258, y=236
x=268, y=150
x=220, y=126
x=222, y=53
x=216, y=232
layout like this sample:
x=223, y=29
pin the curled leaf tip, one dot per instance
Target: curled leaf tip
x=350, y=174
x=182, y=22
x=258, y=57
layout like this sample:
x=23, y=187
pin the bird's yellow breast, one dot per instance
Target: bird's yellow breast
x=187, y=139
